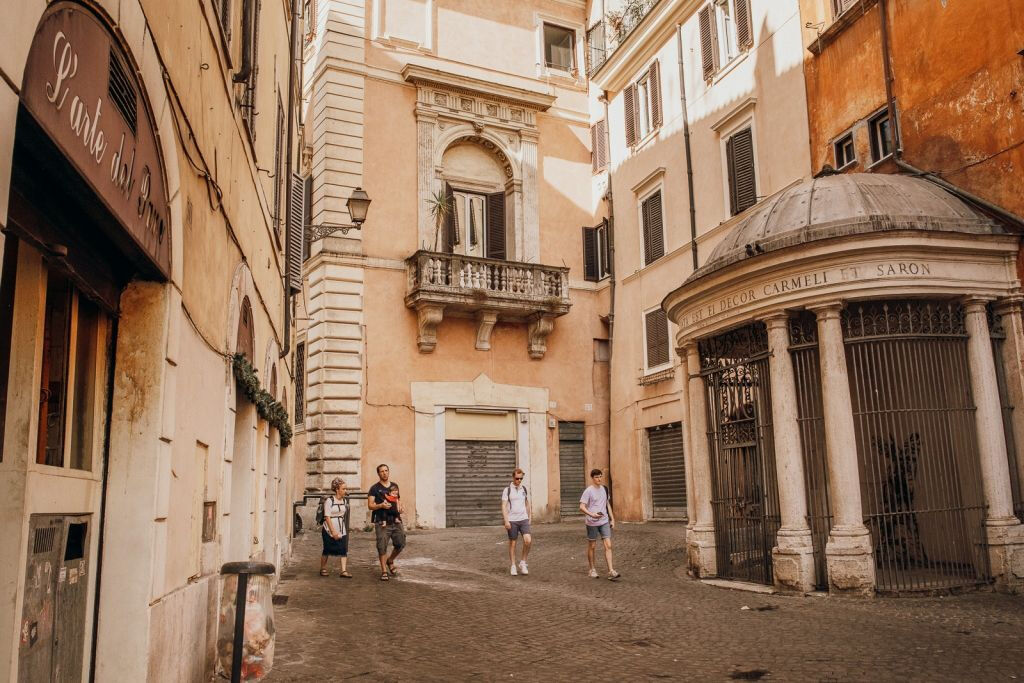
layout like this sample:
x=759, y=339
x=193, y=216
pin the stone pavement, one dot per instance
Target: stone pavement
x=455, y=614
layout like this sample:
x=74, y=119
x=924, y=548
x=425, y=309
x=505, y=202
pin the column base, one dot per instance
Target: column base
x=793, y=560
x=702, y=562
x=851, y=562
x=1005, y=539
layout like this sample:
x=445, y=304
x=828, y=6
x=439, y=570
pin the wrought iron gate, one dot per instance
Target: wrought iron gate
x=916, y=443
x=745, y=499
x=803, y=347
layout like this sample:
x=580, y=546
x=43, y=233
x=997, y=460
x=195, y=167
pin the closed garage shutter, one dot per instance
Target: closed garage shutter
x=476, y=473
x=668, y=473
x=570, y=466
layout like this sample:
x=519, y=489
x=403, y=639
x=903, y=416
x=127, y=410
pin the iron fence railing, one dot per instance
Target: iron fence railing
x=611, y=32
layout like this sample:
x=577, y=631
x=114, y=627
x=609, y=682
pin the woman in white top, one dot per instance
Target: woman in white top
x=335, y=529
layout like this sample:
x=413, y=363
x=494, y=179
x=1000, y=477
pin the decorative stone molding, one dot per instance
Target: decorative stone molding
x=485, y=324
x=539, y=330
x=429, y=317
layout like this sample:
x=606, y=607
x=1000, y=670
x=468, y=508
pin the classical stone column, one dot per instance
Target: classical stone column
x=1004, y=532
x=851, y=562
x=684, y=397
x=1010, y=312
x=793, y=554
x=701, y=537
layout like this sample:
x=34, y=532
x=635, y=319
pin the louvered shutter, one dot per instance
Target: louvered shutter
x=654, y=239
x=629, y=104
x=708, y=41
x=744, y=28
x=451, y=220
x=602, y=143
x=296, y=232
x=742, y=184
x=278, y=139
x=657, y=338
x=654, y=79
x=496, y=225
x=590, y=268
x=595, y=162
x=309, y=217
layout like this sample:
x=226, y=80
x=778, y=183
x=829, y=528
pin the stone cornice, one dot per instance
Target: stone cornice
x=531, y=99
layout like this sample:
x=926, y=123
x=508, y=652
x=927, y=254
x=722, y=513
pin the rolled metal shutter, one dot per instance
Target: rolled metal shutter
x=668, y=473
x=572, y=479
x=476, y=473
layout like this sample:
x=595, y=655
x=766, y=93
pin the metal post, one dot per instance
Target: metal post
x=236, y=650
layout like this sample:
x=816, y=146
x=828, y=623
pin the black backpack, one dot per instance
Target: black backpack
x=320, y=511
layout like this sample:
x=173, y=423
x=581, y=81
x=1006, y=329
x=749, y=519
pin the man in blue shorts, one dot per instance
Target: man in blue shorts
x=516, y=513
x=600, y=521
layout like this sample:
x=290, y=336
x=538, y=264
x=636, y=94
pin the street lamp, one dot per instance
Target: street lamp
x=358, y=205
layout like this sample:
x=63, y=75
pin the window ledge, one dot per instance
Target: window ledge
x=659, y=376
x=728, y=68
x=840, y=24
x=881, y=161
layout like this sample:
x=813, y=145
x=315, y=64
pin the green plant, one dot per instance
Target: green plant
x=440, y=206
x=266, y=407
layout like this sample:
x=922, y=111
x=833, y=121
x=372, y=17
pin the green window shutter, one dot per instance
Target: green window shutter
x=742, y=182
x=590, y=269
x=496, y=225
x=654, y=234
x=296, y=232
x=656, y=328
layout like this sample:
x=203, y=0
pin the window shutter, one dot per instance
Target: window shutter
x=708, y=41
x=309, y=217
x=300, y=383
x=655, y=85
x=595, y=162
x=603, y=252
x=654, y=238
x=744, y=28
x=279, y=134
x=656, y=325
x=451, y=220
x=296, y=232
x=602, y=142
x=496, y=225
x=629, y=104
x=742, y=184
x=590, y=269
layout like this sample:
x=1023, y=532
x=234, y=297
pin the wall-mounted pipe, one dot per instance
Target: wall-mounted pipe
x=248, y=42
x=686, y=146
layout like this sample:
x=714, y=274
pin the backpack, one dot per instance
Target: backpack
x=320, y=511
x=507, y=495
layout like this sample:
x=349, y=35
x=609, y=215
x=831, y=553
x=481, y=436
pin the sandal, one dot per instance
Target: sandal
x=384, y=576
x=345, y=575
x=392, y=569
x=323, y=572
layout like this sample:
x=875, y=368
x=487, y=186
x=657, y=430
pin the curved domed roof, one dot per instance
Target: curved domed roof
x=845, y=204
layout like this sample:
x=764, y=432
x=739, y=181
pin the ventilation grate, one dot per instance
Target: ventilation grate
x=122, y=93
x=44, y=540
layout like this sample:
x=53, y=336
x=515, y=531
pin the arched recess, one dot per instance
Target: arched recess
x=476, y=177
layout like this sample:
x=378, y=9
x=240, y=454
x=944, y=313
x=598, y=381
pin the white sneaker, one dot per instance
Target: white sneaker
x=593, y=573
x=512, y=570
x=523, y=569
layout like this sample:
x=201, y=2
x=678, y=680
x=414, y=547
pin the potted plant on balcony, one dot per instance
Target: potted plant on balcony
x=440, y=206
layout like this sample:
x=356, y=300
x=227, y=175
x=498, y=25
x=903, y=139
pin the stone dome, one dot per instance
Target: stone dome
x=845, y=204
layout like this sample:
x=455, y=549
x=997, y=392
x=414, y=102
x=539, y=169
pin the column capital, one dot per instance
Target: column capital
x=826, y=309
x=1009, y=304
x=779, y=318
x=974, y=303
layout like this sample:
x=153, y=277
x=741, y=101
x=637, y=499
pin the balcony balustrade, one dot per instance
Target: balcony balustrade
x=487, y=290
x=612, y=31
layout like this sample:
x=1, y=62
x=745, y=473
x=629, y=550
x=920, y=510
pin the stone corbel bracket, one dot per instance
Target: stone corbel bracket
x=537, y=335
x=429, y=317
x=485, y=321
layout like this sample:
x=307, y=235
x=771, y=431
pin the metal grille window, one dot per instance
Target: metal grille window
x=656, y=339
x=739, y=152
x=300, y=384
x=744, y=497
x=917, y=443
x=653, y=226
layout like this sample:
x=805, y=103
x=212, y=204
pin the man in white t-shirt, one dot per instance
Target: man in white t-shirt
x=516, y=513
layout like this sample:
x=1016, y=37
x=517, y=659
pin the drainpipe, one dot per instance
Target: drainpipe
x=890, y=99
x=608, y=195
x=295, y=66
x=242, y=75
x=686, y=145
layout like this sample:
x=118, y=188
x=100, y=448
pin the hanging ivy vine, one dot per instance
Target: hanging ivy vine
x=266, y=407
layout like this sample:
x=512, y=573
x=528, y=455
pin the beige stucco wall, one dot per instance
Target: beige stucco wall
x=763, y=86
x=172, y=417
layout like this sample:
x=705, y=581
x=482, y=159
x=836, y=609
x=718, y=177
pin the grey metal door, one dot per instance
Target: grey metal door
x=572, y=479
x=668, y=471
x=72, y=594
x=745, y=492
x=476, y=473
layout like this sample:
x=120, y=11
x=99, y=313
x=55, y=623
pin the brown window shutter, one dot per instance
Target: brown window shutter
x=308, y=192
x=595, y=162
x=602, y=142
x=654, y=79
x=708, y=41
x=629, y=104
x=656, y=325
x=654, y=238
x=296, y=233
x=739, y=151
x=496, y=225
x=300, y=383
x=744, y=28
x=590, y=255
x=451, y=220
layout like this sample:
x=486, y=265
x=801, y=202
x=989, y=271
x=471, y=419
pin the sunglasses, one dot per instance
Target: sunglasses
x=517, y=478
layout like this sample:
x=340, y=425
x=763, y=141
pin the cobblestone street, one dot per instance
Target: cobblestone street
x=454, y=613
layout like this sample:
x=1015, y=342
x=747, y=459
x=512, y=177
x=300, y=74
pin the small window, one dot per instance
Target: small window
x=655, y=339
x=840, y=6
x=739, y=153
x=559, y=48
x=726, y=31
x=845, y=153
x=652, y=218
x=300, y=383
x=880, y=130
x=596, y=265
x=642, y=102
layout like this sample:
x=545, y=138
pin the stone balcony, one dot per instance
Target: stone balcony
x=487, y=290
